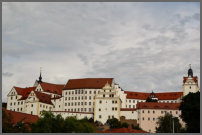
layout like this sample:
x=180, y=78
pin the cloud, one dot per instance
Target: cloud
x=7, y=74
x=144, y=46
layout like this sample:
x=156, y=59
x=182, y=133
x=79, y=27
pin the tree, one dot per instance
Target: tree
x=124, y=125
x=114, y=123
x=190, y=112
x=165, y=124
x=57, y=124
x=136, y=127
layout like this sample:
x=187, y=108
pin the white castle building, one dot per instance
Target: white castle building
x=97, y=98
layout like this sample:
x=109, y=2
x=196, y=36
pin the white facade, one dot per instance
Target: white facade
x=190, y=86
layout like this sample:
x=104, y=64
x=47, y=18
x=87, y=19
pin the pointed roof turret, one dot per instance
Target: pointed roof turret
x=40, y=77
x=190, y=72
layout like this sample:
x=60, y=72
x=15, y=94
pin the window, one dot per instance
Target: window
x=89, y=92
x=89, y=109
x=103, y=95
x=113, y=116
x=65, y=104
x=85, y=103
x=176, y=112
x=100, y=116
x=11, y=98
x=148, y=118
x=112, y=101
x=18, y=109
x=170, y=112
x=21, y=109
x=89, y=97
x=115, y=102
x=161, y=112
x=72, y=98
x=68, y=104
x=85, y=109
x=94, y=92
x=115, y=108
x=78, y=103
x=69, y=98
x=16, y=97
x=142, y=118
x=43, y=106
x=89, y=103
x=76, y=92
x=32, y=105
x=99, y=109
x=148, y=111
x=133, y=101
x=81, y=103
x=142, y=111
x=72, y=104
x=72, y=92
x=78, y=98
x=81, y=109
x=153, y=118
x=85, y=92
x=75, y=103
x=129, y=106
x=31, y=112
x=85, y=97
x=69, y=93
x=79, y=92
x=108, y=117
x=75, y=98
x=78, y=110
x=133, y=106
x=10, y=104
x=100, y=101
x=112, y=108
x=129, y=101
x=190, y=87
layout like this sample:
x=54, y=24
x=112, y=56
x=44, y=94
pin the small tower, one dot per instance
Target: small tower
x=190, y=83
x=40, y=78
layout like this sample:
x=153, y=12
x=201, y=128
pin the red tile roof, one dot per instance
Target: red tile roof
x=87, y=83
x=169, y=95
x=52, y=88
x=18, y=116
x=156, y=105
x=160, y=96
x=137, y=95
x=128, y=109
x=24, y=91
x=123, y=130
x=194, y=77
x=44, y=98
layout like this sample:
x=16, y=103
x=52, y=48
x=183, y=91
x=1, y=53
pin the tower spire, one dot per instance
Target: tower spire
x=190, y=72
x=40, y=78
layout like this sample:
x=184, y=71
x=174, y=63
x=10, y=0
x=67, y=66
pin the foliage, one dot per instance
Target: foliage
x=151, y=100
x=190, y=112
x=125, y=125
x=136, y=127
x=114, y=123
x=56, y=124
x=165, y=124
x=8, y=127
x=4, y=105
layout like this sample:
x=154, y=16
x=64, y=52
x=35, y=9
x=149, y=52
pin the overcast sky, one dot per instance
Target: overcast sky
x=144, y=46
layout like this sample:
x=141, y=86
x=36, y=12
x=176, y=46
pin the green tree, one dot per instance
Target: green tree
x=49, y=123
x=165, y=124
x=136, y=127
x=114, y=123
x=190, y=112
x=125, y=125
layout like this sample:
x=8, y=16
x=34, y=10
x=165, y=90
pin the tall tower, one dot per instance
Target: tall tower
x=190, y=83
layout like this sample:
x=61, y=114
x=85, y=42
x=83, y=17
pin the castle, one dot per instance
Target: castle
x=100, y=99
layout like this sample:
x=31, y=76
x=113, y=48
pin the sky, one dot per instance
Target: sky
x=143, y=46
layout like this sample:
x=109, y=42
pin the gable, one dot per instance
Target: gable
x=12, y=92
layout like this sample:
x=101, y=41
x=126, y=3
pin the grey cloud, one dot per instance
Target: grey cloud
x=7, y=74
